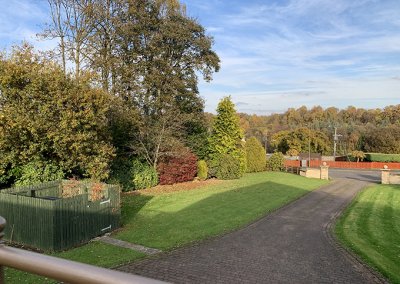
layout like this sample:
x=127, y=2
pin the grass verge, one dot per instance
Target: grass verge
x=169, y=220
x=370, y=227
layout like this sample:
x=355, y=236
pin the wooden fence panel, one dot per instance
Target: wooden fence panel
x=56, y=223
x=30, y=220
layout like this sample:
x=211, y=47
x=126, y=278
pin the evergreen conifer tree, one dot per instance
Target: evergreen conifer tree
x=226, y=136
x=255, y=155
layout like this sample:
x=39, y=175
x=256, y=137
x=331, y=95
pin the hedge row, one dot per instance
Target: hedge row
x=378, y=157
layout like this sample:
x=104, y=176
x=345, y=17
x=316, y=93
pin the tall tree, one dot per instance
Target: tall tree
x=159, y=50
x=72, y=23
x=301, y=140
x=226, y=136
x=382, y=140
x=148, y=53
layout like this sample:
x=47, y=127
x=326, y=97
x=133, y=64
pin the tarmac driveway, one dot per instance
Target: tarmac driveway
x=373, y=176
x=292, y=245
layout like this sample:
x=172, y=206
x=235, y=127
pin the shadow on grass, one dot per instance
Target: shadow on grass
x=131, y=205
x=181, y=220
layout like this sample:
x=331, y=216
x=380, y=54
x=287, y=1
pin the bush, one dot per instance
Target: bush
x=8, y=175
x=132, y=174
x=202, y=170
x=143, y=175
x=121, y=173
x=225, y=166
x=38, y=171
x=276, y=162
x=178, y=169
x=378, y=157
x=255, y=155
x=358, y=155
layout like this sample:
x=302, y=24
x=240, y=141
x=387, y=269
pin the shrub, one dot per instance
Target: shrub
x=143, y=175
x=178, y=169
x=121, y=173
x=38, y=171
x=358, y=155
x=276, y=162
x=212, y=168
x=8, y=175
x=46, y=113
x=202, y=170
x=225, y=167
x=255, y=155
x=378, y=157
x=132, y=174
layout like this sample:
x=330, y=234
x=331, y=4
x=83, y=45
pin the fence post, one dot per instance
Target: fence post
x=385, y=175
x=324, y=173
x=2, y=226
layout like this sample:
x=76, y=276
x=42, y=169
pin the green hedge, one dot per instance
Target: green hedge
x=378, y=157
x=276, y=162
x=225, y=167
x=143, y=175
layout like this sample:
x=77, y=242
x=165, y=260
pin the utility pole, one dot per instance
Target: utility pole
x=335, y=139
x=266, y=143
x=309, y=147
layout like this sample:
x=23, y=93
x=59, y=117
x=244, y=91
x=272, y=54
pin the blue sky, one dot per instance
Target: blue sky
x=278, y=54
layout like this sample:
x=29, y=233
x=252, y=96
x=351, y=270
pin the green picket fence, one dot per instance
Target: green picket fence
x=47, y=218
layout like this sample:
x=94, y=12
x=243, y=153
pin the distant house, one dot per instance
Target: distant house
x=312, y=156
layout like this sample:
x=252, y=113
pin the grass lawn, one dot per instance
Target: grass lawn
x=371, y=228
x=172, y=219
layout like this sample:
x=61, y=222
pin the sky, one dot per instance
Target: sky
x=277, y=54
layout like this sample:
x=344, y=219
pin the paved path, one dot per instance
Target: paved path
x=112, y=241
x=291, y=245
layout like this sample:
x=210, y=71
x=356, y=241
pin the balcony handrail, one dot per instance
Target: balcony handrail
x=60, y=269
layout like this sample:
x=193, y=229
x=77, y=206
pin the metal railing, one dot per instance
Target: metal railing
x=60, y=269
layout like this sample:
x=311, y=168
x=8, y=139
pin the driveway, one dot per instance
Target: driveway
x=292, y=245
x=373, y=176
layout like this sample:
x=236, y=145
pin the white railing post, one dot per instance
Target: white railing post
x=61, y=269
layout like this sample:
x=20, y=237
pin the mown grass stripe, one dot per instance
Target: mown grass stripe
x=362, y=212
x=370, y=228
x=375, y=219
x=380, y=226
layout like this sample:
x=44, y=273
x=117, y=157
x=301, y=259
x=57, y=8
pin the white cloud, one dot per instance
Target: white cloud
x=275, y=56
x=335, y=92
x=275, y=51
x=22, y=20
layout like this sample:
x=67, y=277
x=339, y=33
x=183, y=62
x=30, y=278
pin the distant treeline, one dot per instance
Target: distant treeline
x=368, y=130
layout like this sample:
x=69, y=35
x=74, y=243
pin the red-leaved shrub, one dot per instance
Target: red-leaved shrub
x=178, y=169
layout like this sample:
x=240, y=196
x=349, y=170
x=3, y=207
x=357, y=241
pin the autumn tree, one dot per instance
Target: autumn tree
x=301, y=140
x=149, y=53
x=358, y=155
x=47, y=117
x=355, y=125
x=72, y=23
x=382, y=140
